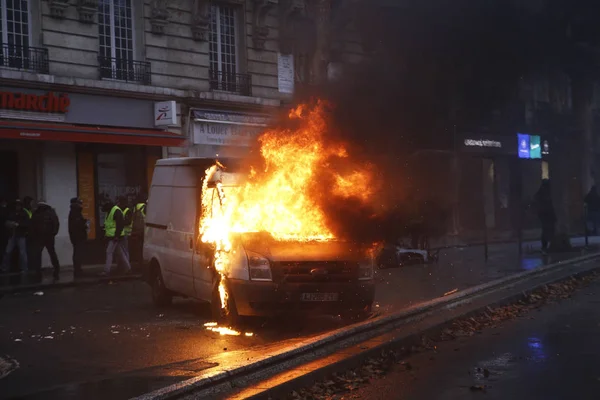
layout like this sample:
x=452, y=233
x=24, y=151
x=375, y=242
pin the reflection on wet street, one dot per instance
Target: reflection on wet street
x=550, y=353
x=115, y=344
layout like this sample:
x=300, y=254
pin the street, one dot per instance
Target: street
x=551, y=353
x=110, y=341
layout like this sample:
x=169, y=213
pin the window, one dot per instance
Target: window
x=15, y=33
x=223, y=50
x=115, y=30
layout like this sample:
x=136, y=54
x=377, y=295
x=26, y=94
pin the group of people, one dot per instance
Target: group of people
x=26, y=230
x=30, y=230
x=123, y=227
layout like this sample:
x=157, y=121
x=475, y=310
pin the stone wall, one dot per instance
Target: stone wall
x=166, y=36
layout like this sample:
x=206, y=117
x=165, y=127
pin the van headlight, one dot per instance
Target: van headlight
x=259, y=267
x=365, y=270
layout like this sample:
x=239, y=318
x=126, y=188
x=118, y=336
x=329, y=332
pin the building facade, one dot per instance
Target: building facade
x=93, y=92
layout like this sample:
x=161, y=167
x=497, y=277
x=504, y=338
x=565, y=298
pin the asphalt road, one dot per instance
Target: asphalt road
x=109, y=341
x=549, y=354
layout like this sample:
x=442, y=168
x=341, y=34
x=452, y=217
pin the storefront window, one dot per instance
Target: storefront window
x=120, y=173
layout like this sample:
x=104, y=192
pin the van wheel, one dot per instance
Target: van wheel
x=227, y=317
x=161, y=296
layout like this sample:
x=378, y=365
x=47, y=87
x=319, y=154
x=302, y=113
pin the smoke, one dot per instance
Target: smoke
x=435, y=67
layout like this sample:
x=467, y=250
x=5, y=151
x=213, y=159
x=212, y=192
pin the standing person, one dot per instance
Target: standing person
x=546, y=214
x=592, y=203
x=43, y=231
x=18, y=225
x=113, y=231
x=78, y=227
x=3, y=229
x=137, y=229
x=28, y=205
x=128, y=221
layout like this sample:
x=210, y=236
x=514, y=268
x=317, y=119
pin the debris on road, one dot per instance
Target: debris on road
x=478, y=388
x=38, y=294
x=7, y=365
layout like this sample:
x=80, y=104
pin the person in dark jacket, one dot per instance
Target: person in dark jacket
x=78, y=227
x=592, y=204
x=546, y=214
x=18, y=226
x=43, y=230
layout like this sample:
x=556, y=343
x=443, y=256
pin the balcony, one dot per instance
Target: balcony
x=124, y=70
x=230, y=82
x=33, y=59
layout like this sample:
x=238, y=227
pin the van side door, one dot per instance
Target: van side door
x=181, y=230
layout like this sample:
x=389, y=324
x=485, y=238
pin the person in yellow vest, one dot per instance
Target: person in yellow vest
x=137, y=234
x=114, y=224
x=128, y=220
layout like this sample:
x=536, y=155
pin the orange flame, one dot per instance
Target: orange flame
x=283, y=197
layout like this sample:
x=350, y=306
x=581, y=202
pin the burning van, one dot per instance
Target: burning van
x=195, y=248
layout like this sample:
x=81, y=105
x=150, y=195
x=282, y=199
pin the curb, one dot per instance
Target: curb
x=62, y=285
x=314, y=344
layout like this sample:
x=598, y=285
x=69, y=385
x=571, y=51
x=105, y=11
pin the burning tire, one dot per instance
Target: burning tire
x=161, y=296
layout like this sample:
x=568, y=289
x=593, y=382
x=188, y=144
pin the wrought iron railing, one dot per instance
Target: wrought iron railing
x=27, y=58
x=125, y=70
x=230, y=82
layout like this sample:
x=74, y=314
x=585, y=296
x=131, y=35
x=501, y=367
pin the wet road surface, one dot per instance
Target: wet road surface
x=108, y=341
x=552, y=353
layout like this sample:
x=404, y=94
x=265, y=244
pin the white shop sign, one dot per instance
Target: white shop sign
x=219, y=134
x=222, y=128
x=165, y=113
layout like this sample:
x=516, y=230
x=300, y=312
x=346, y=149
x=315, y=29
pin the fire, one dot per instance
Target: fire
x=225, y=331
x=284, y=195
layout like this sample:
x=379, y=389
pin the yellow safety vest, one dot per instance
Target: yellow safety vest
x=141, y=207
x=110, y=225
x=29, y=213
x=128, y=228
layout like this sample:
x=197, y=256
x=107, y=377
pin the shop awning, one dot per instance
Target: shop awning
x=87, y=134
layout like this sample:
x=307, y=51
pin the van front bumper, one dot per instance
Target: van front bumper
x=266, y=299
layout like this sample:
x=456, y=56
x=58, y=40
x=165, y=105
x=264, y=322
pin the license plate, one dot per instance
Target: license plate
x=319, y=296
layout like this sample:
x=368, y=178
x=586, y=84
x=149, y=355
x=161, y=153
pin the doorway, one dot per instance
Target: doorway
x=9, y=177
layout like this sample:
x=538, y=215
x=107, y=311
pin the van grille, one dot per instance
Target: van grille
x=315, y=271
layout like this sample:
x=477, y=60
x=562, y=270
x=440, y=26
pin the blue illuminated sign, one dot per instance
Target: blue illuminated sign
x=524, y=147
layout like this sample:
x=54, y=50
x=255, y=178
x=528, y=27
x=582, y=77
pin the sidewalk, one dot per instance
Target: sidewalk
x=460, y=268
x=13, y=282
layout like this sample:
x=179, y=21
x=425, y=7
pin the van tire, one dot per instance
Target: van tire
x=161, y=296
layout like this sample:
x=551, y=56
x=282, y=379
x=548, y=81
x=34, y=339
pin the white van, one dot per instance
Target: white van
x=267, y=277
